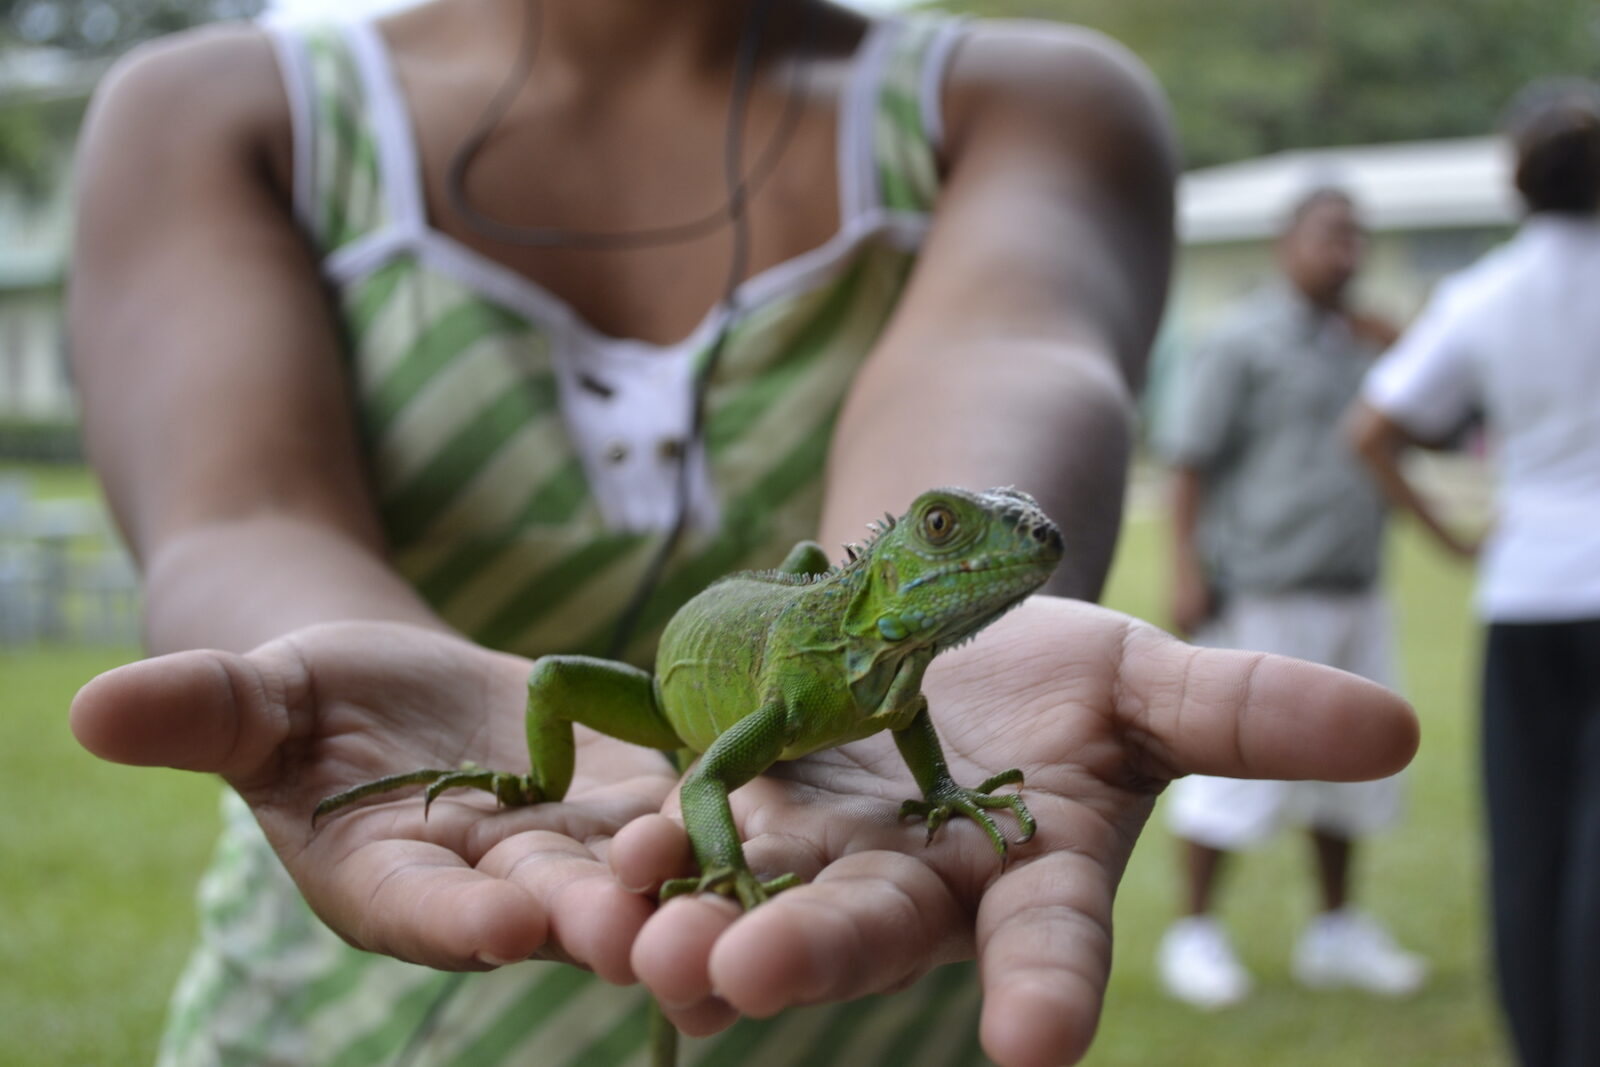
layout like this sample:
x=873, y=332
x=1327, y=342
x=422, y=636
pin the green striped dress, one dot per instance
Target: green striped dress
x=525, y=465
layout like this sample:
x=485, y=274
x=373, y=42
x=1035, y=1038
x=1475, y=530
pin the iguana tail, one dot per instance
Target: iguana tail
x=663, y=1038
x=663, y=1035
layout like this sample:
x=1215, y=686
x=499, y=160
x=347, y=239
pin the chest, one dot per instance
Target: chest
x=619, y=207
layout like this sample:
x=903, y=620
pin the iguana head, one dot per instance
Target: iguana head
x=955, y=562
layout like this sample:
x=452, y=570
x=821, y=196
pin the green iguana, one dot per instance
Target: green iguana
x=771, y=665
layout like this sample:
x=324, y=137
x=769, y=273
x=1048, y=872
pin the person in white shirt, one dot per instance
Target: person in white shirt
x=1516, y=337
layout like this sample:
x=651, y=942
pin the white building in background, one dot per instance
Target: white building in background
x=33, y=369
x=35, y=227
x=1430, y=207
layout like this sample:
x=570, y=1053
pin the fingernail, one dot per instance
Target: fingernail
x=675, y=1005
x=495, y=961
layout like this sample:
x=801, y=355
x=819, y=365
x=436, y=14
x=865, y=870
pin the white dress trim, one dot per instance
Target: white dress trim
x=935, y=65
x=861, y=213
x=650, y=386
x=296, y=68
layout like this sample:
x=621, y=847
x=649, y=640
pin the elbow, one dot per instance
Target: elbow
x=1368, y=434
x=1102, y=386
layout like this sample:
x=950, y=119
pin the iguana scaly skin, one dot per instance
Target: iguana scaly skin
x=772, y=665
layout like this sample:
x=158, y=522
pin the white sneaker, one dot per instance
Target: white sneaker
x=1197, y=965
x=1346, y=948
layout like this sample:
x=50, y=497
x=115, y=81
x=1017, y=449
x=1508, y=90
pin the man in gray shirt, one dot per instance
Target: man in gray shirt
x=1277, y=544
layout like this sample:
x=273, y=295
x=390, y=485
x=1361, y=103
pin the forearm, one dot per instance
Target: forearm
x=1024, y=329
x=1400, y=493
x=1087, y=483
x=232, y=584
x=1187, y=495
x=1190, y=594
x=1050, y=417
x=1379, y=443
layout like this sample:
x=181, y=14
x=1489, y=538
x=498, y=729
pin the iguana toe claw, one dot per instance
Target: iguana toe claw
x=945, y=801
x=731, y=882
x=1011, y=777
x=474, y=779
x=511, y=790
x=381, y=785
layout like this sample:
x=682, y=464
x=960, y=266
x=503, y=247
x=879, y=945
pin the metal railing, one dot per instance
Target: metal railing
x=64, y=576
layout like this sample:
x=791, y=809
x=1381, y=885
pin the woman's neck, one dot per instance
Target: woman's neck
x=619, y=39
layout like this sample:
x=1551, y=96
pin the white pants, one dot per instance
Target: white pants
x=1351, y=631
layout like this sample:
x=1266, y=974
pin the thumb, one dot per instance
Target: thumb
x=198, y=711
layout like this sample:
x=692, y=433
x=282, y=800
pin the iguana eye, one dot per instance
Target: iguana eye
x=938, y=523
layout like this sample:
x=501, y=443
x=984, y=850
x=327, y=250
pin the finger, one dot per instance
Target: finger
x=648, y=851
x=420, y=903
x=670, y=957
x=1044, y=946
x=711, y=1016
x=198, y=711
x=1254, y=715
x=652, y=849
x=871, y=922
x=592, y=920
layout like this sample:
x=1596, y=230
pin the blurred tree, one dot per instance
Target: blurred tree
x=50, y=53
x=25, y=149
x=1248, y=77
x=102, y=26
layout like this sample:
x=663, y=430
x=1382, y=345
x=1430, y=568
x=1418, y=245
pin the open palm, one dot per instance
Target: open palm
x=1100, y=712
x=334, y=705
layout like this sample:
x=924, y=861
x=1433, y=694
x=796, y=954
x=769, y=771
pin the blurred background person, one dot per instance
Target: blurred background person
x=1277, y=544
x=1517, y=337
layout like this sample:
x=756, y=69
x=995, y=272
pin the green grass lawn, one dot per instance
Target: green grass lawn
x=53, y=481
x=97, y=871
x=98, y=863
x=1424, y=878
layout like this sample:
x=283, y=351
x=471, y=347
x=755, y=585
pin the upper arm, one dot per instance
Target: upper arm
x=1372, y=435
x=1024, y=328
x=1056, y=214
x=203, y=343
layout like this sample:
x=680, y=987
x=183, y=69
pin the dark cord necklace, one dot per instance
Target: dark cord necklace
x=730, y=211
x=740, y=188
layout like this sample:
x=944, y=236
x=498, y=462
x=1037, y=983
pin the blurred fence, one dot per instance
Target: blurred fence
x=64, y=577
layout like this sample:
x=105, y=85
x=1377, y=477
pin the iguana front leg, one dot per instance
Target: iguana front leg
x=612, y=698
x=746, y=749
x=942, y=797
x=806, y=557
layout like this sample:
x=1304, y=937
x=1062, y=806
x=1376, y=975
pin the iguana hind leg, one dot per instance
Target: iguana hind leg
x=746, y=749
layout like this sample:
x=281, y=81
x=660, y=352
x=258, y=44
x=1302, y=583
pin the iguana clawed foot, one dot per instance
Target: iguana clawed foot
x=511, y=790
x=947, y=799
x=735, y=882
